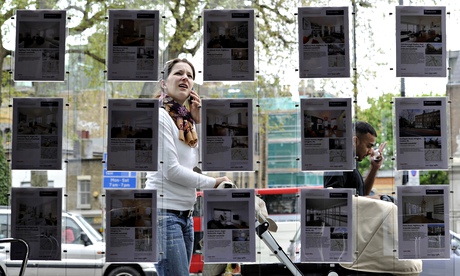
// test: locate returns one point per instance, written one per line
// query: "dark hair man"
(364, 143)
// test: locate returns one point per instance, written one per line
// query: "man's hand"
(376, 163)
(375, 166)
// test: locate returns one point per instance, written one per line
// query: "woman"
(175, 180)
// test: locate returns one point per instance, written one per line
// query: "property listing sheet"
(131, 232)
(323, 42)
(133, 135)
(37, 133)
(40, 45)
(423, 222)
(421, 41)
(326, 224)
(421, 133)
(326, 134)
(228, 45)
(229, 225)
(227, 135)
(36, 217)
(132, 52)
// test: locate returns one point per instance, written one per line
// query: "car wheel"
(124, 271)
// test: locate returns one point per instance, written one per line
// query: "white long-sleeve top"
(175, 180)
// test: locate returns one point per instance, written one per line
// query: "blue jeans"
(175, 244)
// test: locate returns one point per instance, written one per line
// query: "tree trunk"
(2, 58)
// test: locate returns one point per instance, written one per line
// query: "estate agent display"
(40, 45)
(37, 133)
(131, 225)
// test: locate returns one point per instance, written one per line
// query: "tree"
(5, 176)
(180, 35)
(379, 115)
(4, 53)
(434, 177)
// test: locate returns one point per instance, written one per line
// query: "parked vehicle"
(82, 255)
(446, 267)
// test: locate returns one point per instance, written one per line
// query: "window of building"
(28, 184)
(84, 192)
(25, 184)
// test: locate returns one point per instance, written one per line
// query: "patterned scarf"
(183, 119)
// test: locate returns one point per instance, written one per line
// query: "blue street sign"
(118, 180)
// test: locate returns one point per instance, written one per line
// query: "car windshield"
(455, 244)
(4, 226)
(89, 228)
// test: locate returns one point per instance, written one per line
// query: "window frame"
(81, 180)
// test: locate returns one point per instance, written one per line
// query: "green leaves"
(5, 175)
(380, 116)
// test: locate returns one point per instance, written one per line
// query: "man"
(364, 142)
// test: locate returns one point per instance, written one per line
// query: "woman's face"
(179, 82)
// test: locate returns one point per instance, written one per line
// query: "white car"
(445, 267)
(85, 255)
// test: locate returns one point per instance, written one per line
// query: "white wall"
(57, 176)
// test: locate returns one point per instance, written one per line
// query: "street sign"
(116, 179)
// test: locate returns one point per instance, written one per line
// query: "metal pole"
(26, 255)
